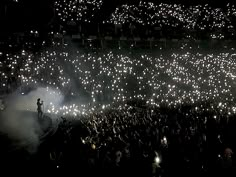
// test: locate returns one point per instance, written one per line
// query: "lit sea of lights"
(77, 10)
(199, 17)
(109, 77)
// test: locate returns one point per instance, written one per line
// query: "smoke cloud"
(19, 120)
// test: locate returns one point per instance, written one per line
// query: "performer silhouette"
(39, 109)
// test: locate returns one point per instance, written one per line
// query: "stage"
(24, 130)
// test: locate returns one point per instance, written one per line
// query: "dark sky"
(24, 14)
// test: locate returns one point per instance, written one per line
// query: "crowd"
(148, 19)
(101, 78)
(153, 113)
(174, 21)
(73, 11)
(199, 17)
(144, 20)
(164, 112)
(138, 139)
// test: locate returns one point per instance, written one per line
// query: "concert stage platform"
(23, 129)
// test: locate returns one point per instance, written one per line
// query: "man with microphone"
(39, 109)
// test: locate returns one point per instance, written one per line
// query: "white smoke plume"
(19, 120)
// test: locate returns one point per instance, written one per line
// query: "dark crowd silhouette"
(136, 139)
